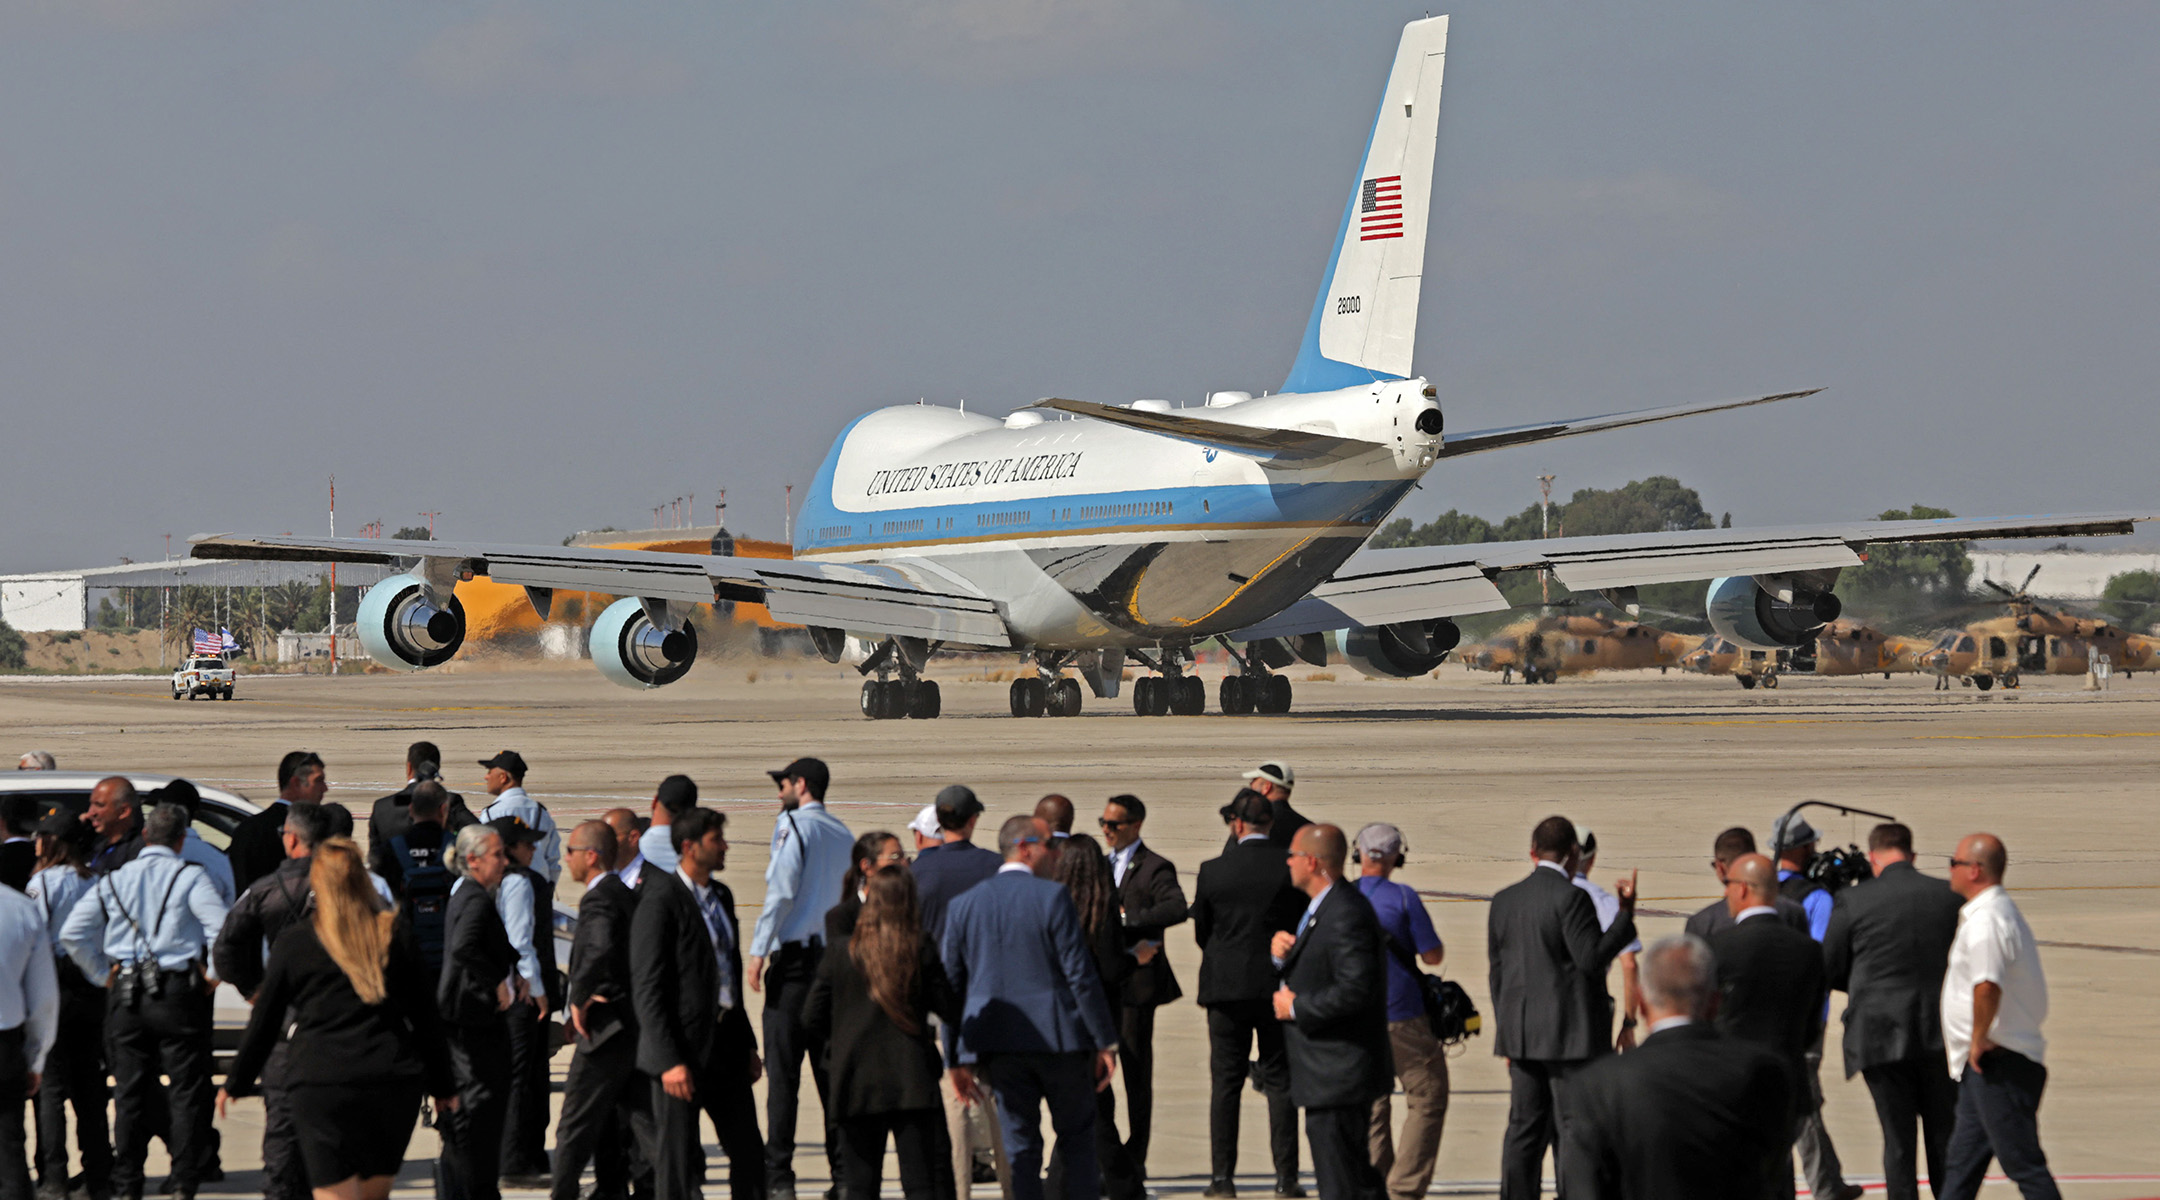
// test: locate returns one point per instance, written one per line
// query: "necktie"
(716, 925)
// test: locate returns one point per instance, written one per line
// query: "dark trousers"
(1536, 1119)
(1998, 1116)
(603, 1096)
(721, 1090)
(918, 1138)
(480, 1054)
(284, 1175)
(169, 1035)
(788, 976)
(14, 1094)
(1136, 1058)
(75, 1076)
(1913, 1096)
(1233, 1029)
(524, 1135)
(1120, 1175)
(1342, 1153)
(1065, 1083)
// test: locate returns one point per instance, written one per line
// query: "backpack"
(427, 897)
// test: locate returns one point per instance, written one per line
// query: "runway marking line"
(2025, 737)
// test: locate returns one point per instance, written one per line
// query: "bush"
(14, 652)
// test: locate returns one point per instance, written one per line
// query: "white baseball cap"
(1277, 773)
(925, 822)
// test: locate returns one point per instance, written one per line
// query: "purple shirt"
(1402, 916)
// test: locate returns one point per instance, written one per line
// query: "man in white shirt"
(677, 795)
(506, 783)
(1994, 1000)
(1608, 910)
(29, 1018)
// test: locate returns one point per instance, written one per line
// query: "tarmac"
(1657, 764)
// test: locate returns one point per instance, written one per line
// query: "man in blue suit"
(1036, 1024)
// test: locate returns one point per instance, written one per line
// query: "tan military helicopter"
(1546, 647)
(2034, 640)
(1715, 655)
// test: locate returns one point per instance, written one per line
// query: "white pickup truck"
(203, 676)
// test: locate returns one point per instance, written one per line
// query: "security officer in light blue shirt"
(811, 851)
(195, 850)
(29, 1015)
(145, 931)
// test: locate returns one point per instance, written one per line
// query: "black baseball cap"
(514, 832)
(508, 760)
(959, 800)
(1248, 806)
(179, 792)
(810, 770)
(677, 794)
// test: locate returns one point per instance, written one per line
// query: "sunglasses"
(1107, 823)
(1962, 862)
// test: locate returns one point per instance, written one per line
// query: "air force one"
(1085, 536)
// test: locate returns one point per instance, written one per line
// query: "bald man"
(629, 860)
(116, 814)
(1994, 999)
(1056, 812)
(1771, 982)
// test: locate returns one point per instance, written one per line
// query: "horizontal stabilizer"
(1522, 435)
(1285, 448)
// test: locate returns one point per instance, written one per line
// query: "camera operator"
(146, 930)
(1793, 840)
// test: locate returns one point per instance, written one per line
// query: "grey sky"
(542, 266)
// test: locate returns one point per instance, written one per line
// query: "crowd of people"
(946, 996)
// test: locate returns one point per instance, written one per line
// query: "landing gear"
(1254, 688)
(1064, 697)
(887, 699)
(1770, 681)
(1747, 682)
(2010, 680)
(1152, 695)
(1984, 682)
(1030, 696)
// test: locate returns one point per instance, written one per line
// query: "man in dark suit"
(1551, 1011)
(258, 843)
(603, 1087)
(1242, 900)
(1771, 983)
(18, 854)
(473, 994)
(694, 1040)
(1333, 1003)
(944, 871)
(392, 814)
(1034, 1022)
(1715, 918)
(1888, 942)
(1688, 1115)
(1149, 902)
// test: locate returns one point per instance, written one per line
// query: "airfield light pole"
(333, 577)
(431, 522)
(1545, 531)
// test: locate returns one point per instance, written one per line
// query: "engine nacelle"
(1743, 611)
(400, 629)
(1403, 650)
(630, 650)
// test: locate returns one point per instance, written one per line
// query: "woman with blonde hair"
(365, 1037)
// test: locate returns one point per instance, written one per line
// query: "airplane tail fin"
(1364, 321)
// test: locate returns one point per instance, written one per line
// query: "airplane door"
(2032, 654)
(1997, 648)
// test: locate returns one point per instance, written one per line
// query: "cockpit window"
(1965, 646)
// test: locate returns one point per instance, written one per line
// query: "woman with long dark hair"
(365, 1037)
(875, 991)
(874, 851)
(75, 1067)
(1085, 872)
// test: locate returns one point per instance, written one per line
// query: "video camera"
(1837, 867)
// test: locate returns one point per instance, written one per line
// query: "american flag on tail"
(205, 643)
(1380, 211)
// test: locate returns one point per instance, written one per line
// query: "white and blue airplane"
(1085, 536)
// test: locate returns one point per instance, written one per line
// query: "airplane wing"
(1376, 587)
(1285, 447)
(1517, 435)
(874, 599)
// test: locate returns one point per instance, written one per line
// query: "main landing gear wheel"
(1064, 698)
(1188, 695)
(1152, 695)
(1236, 695)
(1747, 682)
(2010, 680)
(1275, 695)
(1770, 681)
(1983, 682)
(926, 703)
(1029, 696)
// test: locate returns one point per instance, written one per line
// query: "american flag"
(205, 643)
(1380, 209)
(227, 643)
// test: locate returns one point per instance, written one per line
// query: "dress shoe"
(528, 1179)
(1288, 1189)
(1851, 1191)
(1220, 1189)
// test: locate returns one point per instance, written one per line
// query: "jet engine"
(401, 629)
(1400, 651)
(632, 651)
(1766, 618)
